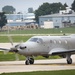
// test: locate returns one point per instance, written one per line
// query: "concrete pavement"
(39, 65)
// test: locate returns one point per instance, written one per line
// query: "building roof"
(59, 15)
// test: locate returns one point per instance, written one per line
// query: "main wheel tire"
(69, 61)
(27, 62)
(31, 61)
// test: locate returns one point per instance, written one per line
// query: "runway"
(39, 65)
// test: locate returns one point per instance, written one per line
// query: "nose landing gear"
(29, 61)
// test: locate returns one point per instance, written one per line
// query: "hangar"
(20, 19)
(65, 18)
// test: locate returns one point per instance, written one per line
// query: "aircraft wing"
(57, 51)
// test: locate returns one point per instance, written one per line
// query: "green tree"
(8, 9)
(65, 5)
(3, 19)
(42, 10)
(47, 8)
(73, 5)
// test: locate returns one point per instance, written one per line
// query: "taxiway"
(39, 65)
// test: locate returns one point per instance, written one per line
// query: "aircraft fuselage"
(47, 43)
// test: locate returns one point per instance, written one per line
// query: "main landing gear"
(29, 61)
(69, 60)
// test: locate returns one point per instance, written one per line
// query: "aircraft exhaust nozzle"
(23, 47)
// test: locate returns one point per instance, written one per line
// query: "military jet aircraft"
(45, 46)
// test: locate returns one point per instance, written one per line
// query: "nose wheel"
(29, 61)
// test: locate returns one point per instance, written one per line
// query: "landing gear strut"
(29, 61)
(69, 60)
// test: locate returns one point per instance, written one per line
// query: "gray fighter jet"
(45, 46)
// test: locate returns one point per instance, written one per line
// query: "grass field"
(18, 38)
(42, 31)
(10, 57)
(62, 72)
(34, 31)
(4, 39)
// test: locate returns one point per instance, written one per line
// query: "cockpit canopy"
(34, 39)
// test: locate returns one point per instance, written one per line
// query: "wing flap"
(57, 51)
